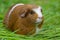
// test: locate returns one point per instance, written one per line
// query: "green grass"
(51, 26)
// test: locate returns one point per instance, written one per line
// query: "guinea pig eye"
(41, 10)
(32, 12)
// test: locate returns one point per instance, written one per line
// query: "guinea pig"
(25, 19)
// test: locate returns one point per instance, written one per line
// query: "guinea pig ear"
(25, 13)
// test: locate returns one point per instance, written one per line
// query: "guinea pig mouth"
(38, 20)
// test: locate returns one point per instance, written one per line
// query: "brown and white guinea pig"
(27, 19)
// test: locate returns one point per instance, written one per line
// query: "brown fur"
(25, 24)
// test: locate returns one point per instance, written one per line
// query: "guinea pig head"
(38, 11)
(32, 14)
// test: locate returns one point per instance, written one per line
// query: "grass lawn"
(51, 26)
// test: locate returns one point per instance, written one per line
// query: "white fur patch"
(38, 20)
(39, 13)
(13, 8)
(37, 29)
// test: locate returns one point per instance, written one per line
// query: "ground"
(50, 29)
